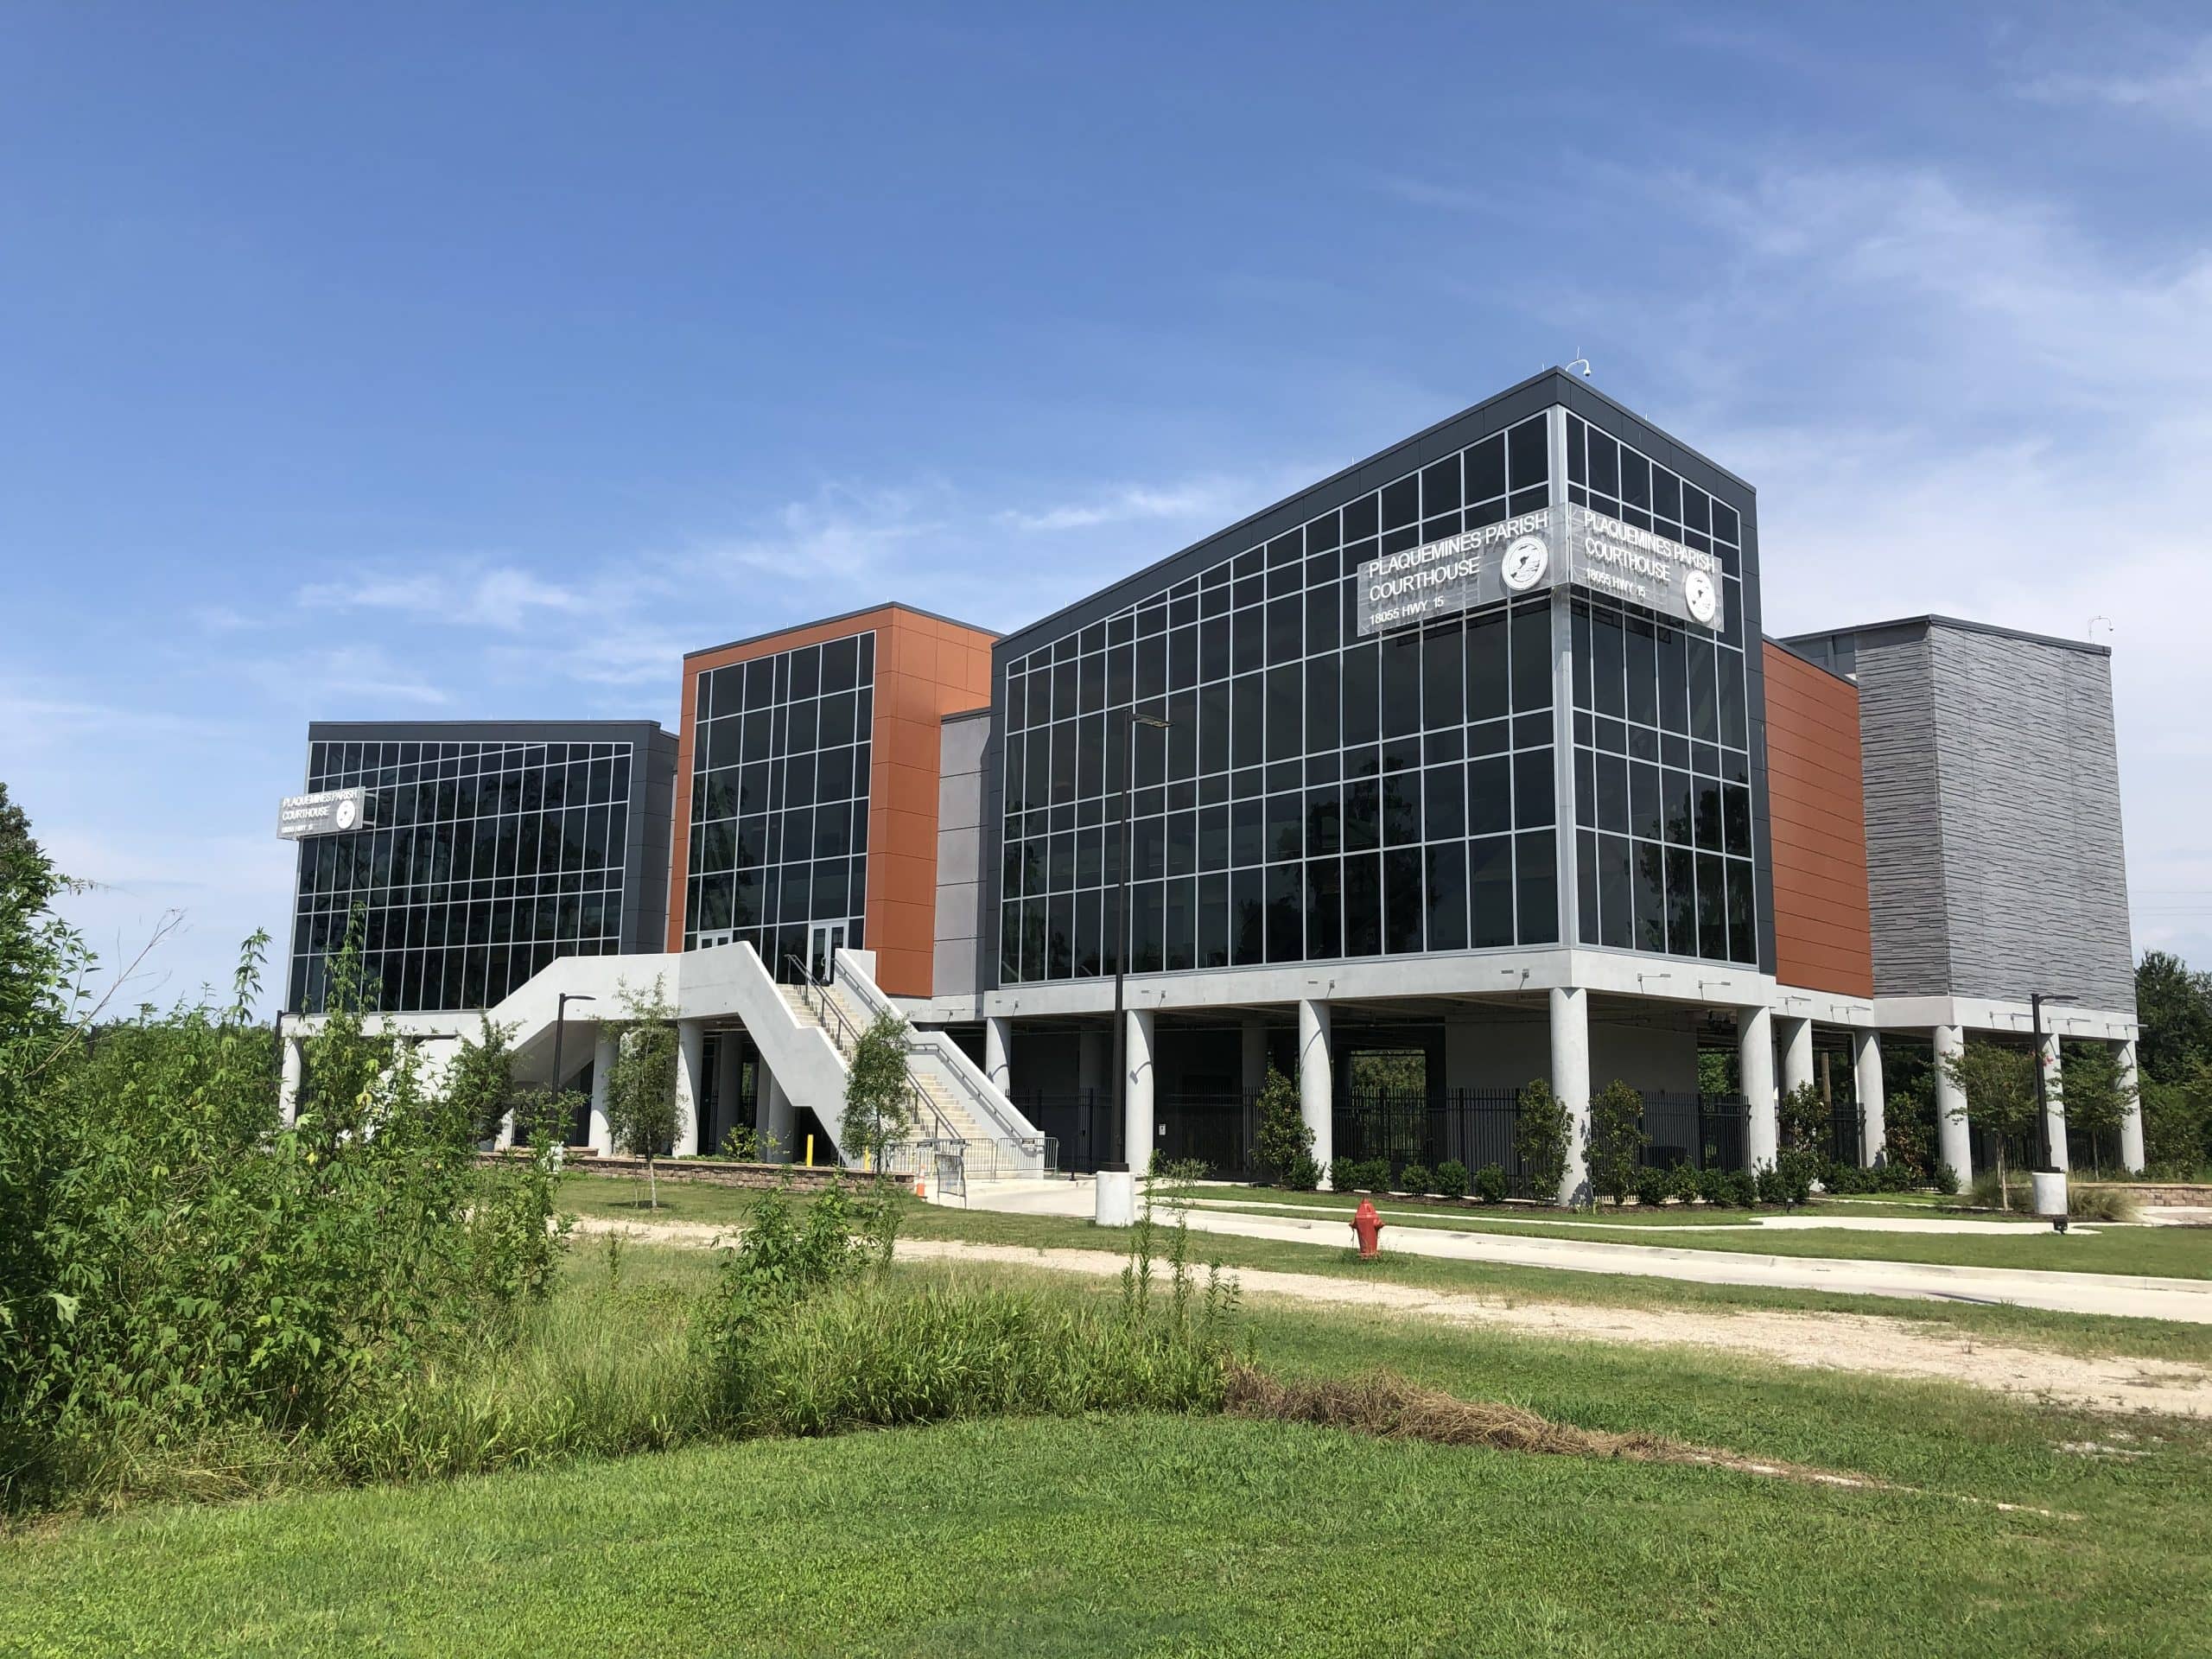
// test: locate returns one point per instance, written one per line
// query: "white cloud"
(1206, 500)
(2179, 88)
(502, 598)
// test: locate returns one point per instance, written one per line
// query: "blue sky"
(478, 361)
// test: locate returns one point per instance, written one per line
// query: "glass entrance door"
(824, 941)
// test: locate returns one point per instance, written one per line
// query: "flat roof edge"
(843, 616)
(1932, 619)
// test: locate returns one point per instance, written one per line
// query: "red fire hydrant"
(1368, 1227)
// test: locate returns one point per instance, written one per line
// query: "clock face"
(1525, 562)
(347, 814)
(1697, 589)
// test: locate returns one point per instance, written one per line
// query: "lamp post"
(560, 1027)
(2047, 1181)
(1115, 1195)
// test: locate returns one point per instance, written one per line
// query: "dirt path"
(1851, 1342)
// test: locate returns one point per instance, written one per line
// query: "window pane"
(1536, 871)
(1402, 881)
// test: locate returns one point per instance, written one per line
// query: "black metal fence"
(1477, 1126)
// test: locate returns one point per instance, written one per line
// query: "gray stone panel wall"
(1993, 848)
(960, 958)
(2035, 872)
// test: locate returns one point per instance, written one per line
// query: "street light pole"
(1109, 1208)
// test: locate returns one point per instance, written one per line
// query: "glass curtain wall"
(1664, 851)
(779, 798)
(1316, 795)
(485, 861)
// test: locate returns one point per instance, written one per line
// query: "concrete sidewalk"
(2182, 1299)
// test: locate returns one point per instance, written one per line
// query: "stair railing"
(826, 1008)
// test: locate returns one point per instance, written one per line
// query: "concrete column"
(288, 1087)
(1139, 1136)
(1570, 1021)
(1794, 1037)
(602, 1073)
(690, 1072)
(2054, 1090)
(1755, 1064)
(1874, 1115)
(998, 1049)
(2131, 1108)
(729, 1081)
(1953, 1140)
(1316, 1088)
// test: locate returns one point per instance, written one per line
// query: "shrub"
(1682, 1185)
(1452, 1179)
(1490, 1185)
(1539, 1140)
(1282, 1142)
(1416, 1180)
(1944, 1179)
(1617, 1140)
(1651, 1187)
(1726, 1189)
(1360, 1175)
(1991, 1191)
(1849, 1180)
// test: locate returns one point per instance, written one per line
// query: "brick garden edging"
(699, 1170)
(2162, 1194)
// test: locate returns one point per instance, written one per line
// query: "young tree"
(1617, 1140)
(2097, 1097)
(1283, 1140)
(641, 1084)
(1539, 1140)
(1999, 1086)
(1801, 1132)
(879, 1093)
(480, 1082)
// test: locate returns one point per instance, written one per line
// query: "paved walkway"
(2184, 1299)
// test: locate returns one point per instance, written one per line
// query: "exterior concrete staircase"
(805, 1034)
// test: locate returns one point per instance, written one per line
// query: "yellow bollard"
(809, 1151)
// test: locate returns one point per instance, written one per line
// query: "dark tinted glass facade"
(1665, 849)
(779, 798)
(1315, 795)
(484, 860)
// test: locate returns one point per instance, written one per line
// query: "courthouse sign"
(1539, 550)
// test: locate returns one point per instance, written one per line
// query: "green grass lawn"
(618, 1199)
(1196, 1535)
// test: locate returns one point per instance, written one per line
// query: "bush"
(1490, 1185)
(1452, 1179)
(1944, 1179)
(1360, 1175)
(1726, 1189)
(1416, 1180)
(203, 1281)
(1283, 1143)
(1651, 1187)
(1539, 1140)
(1682, 1185)
(1617, 1140)
(1848, 1179)
(1989, 1191)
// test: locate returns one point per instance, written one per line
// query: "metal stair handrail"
(816, 993)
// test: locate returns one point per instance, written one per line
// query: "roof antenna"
(2111, 627)
(1584, 362)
